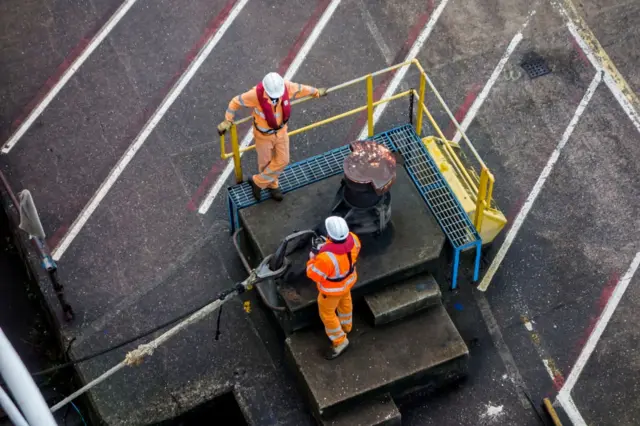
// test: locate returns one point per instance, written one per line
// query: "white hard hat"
(273, 84)
(337, 228)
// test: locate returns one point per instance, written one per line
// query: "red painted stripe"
(302, 37)
(605, 295)
(54, 239)
(414, 33)
(137, 125)
(61, 69)
(461, 113)
(577, 48)
(218, 167)
(215, 170)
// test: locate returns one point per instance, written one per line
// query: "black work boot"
(336, 351)
(276, 194)
(255, 189)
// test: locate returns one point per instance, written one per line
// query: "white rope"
(136, 356)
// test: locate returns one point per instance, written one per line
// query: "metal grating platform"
(431, 184)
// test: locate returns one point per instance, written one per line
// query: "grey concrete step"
(403, 299)
(380, 411)
(424, 350)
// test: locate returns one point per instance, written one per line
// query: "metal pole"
(10, 408)
(481, 203)
(22, 386)
(370, 104)
(237, 165)
(411, 96)
(223, 152)
(420, 104)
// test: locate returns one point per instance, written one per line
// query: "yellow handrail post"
(419, 113)
(222, 148)
(237, 165)
(481, 202)
(490, 189)
(370, 104)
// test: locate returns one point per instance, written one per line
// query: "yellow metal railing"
(480, 188)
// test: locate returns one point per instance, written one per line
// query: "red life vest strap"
(267, 108)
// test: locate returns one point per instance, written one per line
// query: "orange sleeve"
(317, 269)
(248, 99)
(297, 90)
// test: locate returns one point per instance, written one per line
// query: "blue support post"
(476, 271)
(456, 262)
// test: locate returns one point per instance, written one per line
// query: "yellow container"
(493, 220)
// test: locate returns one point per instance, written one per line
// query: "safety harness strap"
(352, 267)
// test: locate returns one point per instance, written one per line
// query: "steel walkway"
(426, 176)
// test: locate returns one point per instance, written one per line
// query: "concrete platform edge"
(40, 281)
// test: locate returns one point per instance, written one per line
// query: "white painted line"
(627, 107)
(77, 63)
(400, 73)
(293, 68)
(503, 350)
(570, 408)
(173, 94)
(522, 214)
(547, 365)
(601, 324)
(375, 33)
(475, 107)
(564, 396)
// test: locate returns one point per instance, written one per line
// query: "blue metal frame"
(453, 219)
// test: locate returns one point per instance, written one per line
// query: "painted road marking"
(400, 73)
(598, 57)
(549, 364)
(226, 17)
(564, 396)
(293, 68)
(503, 349)
(66, 76)
(497, 72)
(375, 33)
(522, 214)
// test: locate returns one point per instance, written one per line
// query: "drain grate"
(535, 66)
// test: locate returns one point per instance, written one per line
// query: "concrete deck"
(424, 351)
(412, 243)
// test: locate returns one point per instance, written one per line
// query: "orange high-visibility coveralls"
(330, 271)
(272, 146)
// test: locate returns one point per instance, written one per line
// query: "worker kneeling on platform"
(332, 266)
(271, 108)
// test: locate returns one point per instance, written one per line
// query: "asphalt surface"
(146, 254)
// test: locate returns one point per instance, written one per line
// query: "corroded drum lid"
(370, 163)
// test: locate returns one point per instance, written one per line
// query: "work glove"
(322, 92)
(224, 126)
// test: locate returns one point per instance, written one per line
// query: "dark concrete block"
(425, 350)
(411, 244)
(403, 299)
(380, 411)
